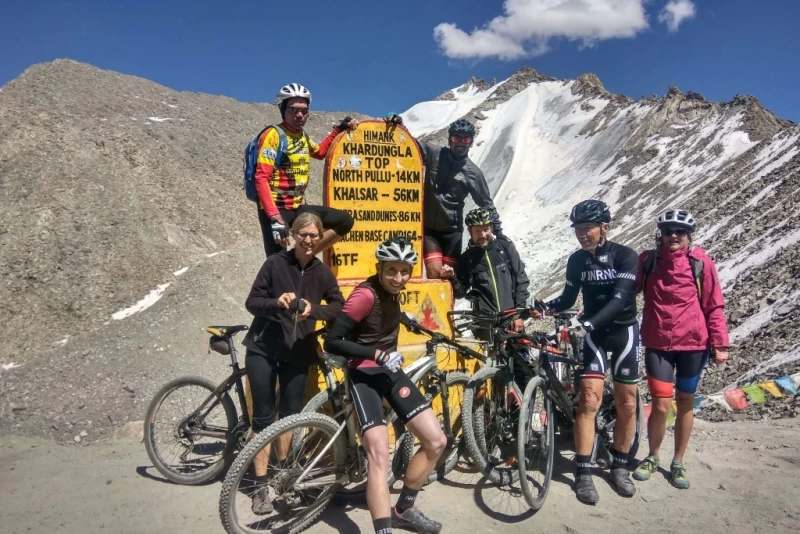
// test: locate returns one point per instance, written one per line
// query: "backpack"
(251, 160)
(697, 270)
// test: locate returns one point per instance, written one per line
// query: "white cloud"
(675, 12)
(526, 27)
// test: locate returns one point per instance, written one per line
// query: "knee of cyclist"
(436, 445)
(685, 401)
(346, 225)
(626, 404)
(378, 458)
(590, 401)
(661, 405)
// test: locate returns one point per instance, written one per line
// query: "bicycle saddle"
(225, 331)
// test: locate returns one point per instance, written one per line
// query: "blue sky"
(375, 57)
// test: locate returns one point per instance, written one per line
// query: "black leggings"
(332, 219)
(262, 374)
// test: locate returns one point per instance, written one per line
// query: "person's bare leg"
(625, 429)
(376, 444)
(657, 424)
(684, 422)
(591, 396)
(433, 269)
(427, 429)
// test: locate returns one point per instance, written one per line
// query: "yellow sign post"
(375, 174)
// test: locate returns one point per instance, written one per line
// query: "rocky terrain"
(111, 187)
(545, 144)
(115, 190)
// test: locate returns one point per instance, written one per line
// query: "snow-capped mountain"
(545, 144)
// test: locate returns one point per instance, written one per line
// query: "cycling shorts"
(371, 384)
(621, 343)
(662, 367)
(442, 246)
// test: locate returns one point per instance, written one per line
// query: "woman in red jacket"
(683, 321)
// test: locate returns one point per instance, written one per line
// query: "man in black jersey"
(606, 274)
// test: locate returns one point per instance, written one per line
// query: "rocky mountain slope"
(545, 144)
(117, 194)
(115, 190)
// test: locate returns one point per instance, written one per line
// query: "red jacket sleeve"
(713, 305)
(267, 152)
(321, 150)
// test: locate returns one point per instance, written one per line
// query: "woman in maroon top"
(683, 321)
(366, 332)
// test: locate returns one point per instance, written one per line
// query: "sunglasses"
(302, 236)
(294, 110)
(456, 139)
(674, 231)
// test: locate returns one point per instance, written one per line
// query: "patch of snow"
(159, 119)
(747, 258)
(214, 254)
(169, 105)
(63, 341)
(8, 366)
(427, 117)
(781, 358)
(134, 119)
(767, 191)
(143, 304)
(180, 271)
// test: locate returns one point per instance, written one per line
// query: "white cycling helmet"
(293, 90)
(679, 218)
(397, 249)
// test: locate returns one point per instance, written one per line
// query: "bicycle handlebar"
(412, 325)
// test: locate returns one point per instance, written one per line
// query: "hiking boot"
(585, 490)
(262, 504)
(677, 476)
(621, 482)
(647, 467)
(414, 519)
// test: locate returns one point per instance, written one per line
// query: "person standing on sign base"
(450, 176)
(281, 188)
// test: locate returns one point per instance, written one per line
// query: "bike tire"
(242, 463)
(453, 450)
(475, 428)
(154, 451)
(535, 497)
(640, 426)
(323, 404)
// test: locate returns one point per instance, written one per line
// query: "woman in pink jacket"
(684, 321)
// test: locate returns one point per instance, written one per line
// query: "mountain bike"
(548, 402)
(444, 390)
(325, 454)
(192, 428)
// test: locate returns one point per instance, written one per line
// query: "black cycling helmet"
(590, 211)
(478, 217)
(461, 127)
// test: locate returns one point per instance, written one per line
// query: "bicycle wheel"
(536, 442)
(295, 505)
(172, 431)
(491, 433)
(456, 385)
(322, 403)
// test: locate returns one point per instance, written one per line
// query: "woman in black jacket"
(285, 300)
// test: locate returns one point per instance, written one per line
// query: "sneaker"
(621, 482)
(414, 519)
(585, 490)
(677, 476)
(262, 504)
(647, 467)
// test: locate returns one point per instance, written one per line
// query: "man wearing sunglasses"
(281, 188)
(605, 273)
(450, 176)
